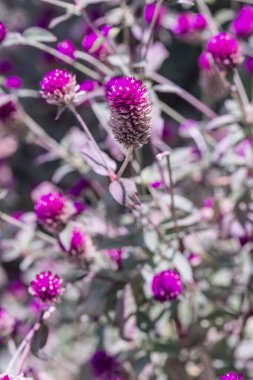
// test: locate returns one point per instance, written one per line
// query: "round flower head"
(94, 43)
(189, 23)
(67, 48)
(59, 87)
(53, 210)
(243, 23)
(199, 22)
(104, 365)
(205, 61)
(149, 13)
(3, 31)
(88, 85)
(13, 82)
(130, 111)
(46, 286)
(167, 285)
(225, 50)
(7, 323)
(76, 243)
(232, 376)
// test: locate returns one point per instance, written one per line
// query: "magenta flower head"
(167, 285)
(59, 87)
(53, 210)
(104, 366)
(95, 43)
(243, 23)
(188, 24)
(47, 287)
(225, 50)
(149, 13)
(130, 111)
(3, 32)
(7, 324)
(232, 376)
(116, 255)
(205, 61)
(76, 243)
(88, 85)
(67, 48)
(13, 82)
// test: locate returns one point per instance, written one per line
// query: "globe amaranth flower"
(232, 376)
(130, 111)
(167, 285)
(3, 32)
(225, 50)
(88, 85)
(59, 87)
(13, 82)
(67, 48)
(189, 24)
(7, 323)
(149, 13)
(47, 287)
(242, 26)
(76, 243)
(53, 210)
(95, 43)
(104, 365)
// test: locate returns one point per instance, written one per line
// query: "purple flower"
(130, 111)
(76, 243)
(205, 61)
(53, 210)
(94, 43)
(116, 255)
(225, 50)
(67, 48)
(88, 85)
(150, 11)
(232, 376)
(189, 23)
(243, 23)
(59, 87)
(103, 365)
(167, 285)
(13, 82)
(8, 111)
(3, 31)
(46, 287)
(7, 323)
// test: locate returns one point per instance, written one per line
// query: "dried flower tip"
(53, 210)
(59, 87)
(225, 50)
(243, 23)
(232, 376)
(130, 111)
(3, 32)
(167, 286)
(67, 48)
(46, 286)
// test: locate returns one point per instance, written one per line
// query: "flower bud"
(243, 23)
(67, 48)
(167, 285)
(46, 286)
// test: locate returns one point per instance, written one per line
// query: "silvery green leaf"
(39, 34)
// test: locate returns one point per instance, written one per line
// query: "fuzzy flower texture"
(130, 111)
(225, 50)
(59, 87)
(167, 285)
(46, 286)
